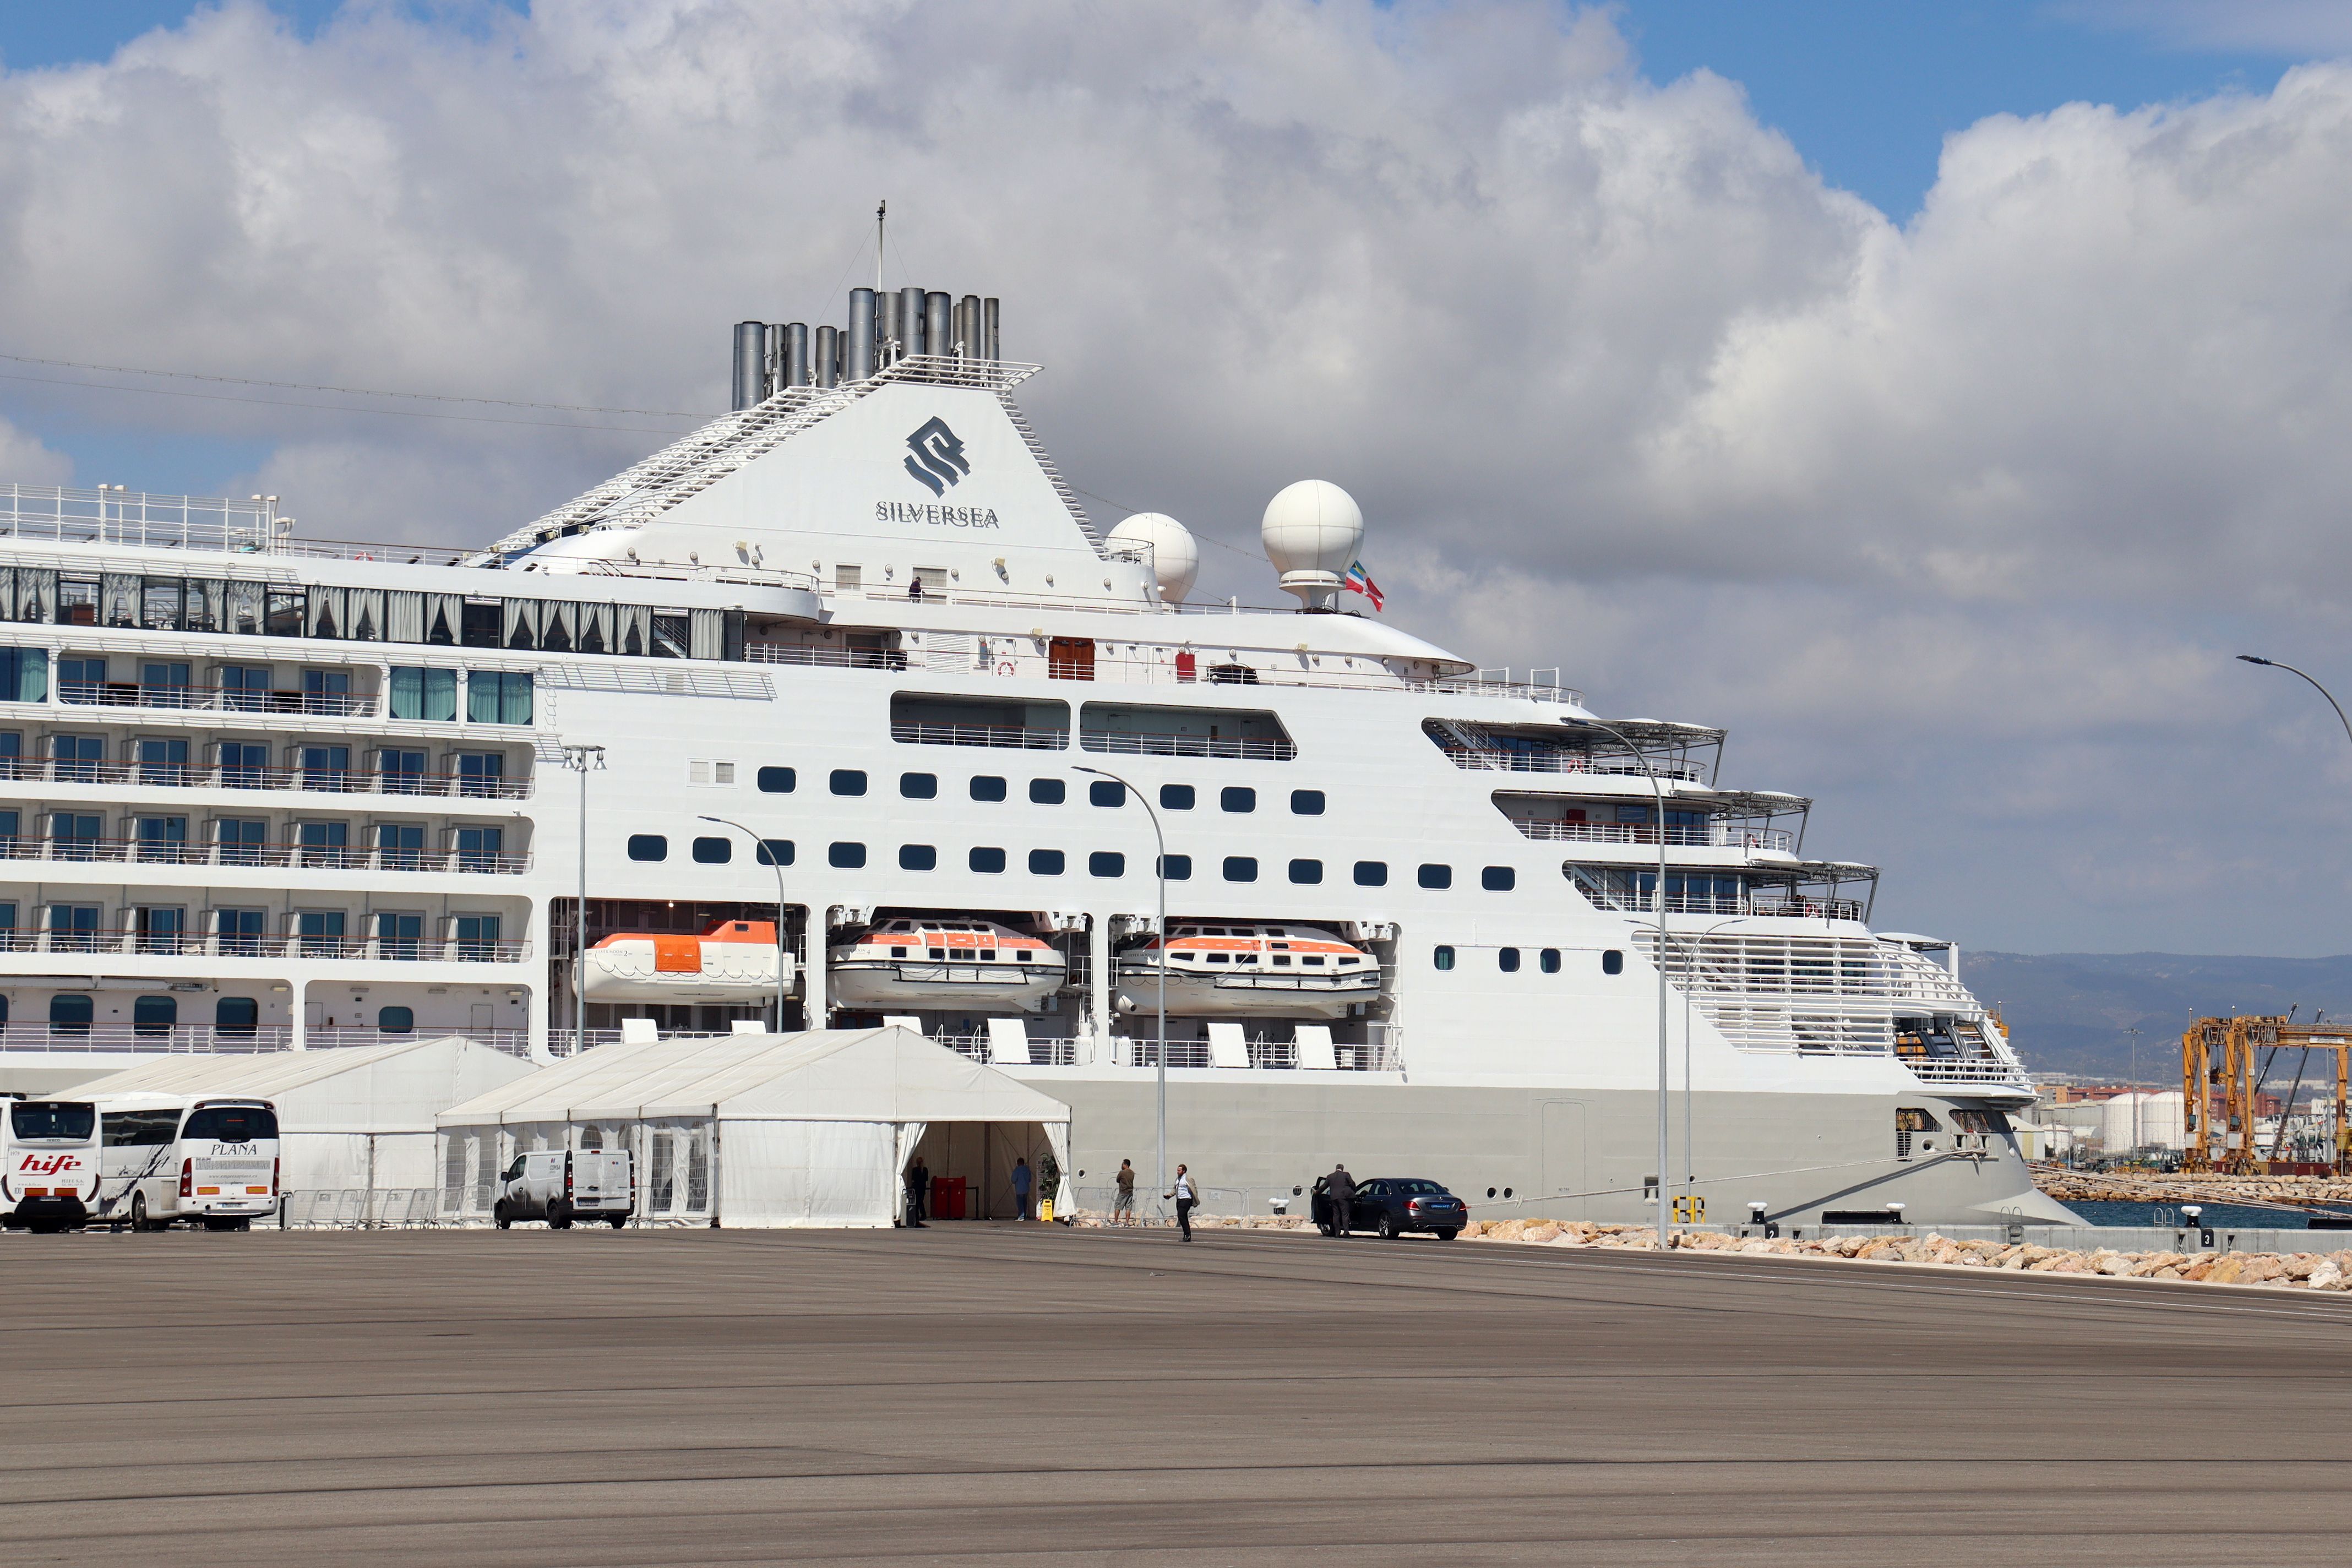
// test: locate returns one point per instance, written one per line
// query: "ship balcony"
(1710, 835)
(216, 699)
(132, 942)
(289, 856)
(255, 776)
(210, 1039)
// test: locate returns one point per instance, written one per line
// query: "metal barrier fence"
(361, 1208)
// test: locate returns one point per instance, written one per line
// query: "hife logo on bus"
(49, 1165)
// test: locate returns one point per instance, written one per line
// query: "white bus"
(49, 1163)
(168, 1158)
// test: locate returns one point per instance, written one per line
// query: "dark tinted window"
(52, 1119)
(987, 861)
(848, 780)
(1048, 792)
(231, 1123)
(775, 852)
(1106, 863)
(713, 851)
(1175, 797)
(396, 1020)
(1613, 962)
(1497, 879)
(1507, 960)
(1371, 873)
(987, 786)
(918, 858)
(1307, 802)
(1307, 872)
(846, 856)
(649, 846)
(138, 1128)
(777, 780)
(1442, 958)
(1549, 961)
(918, 786)
(1044, 862)
(1107, 791)
(1180, 868)
(1437, 876)
(1237, 797)
(1241, 868)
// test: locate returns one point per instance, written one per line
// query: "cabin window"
(649, 846)
(1371, 873)
(396, 1020)
(777, 780)
(1497, 879)
(237, 1014)
(775, 852)
(986, 859)
(1241, 868)
(918, 858)
(23, 674)
(1046, 862)
(918, 786)
(498, 697)
(1177, 868)
(1237, 797)
(1506, 959)
(1549, 961)
(845, 857)
(987, 786)
(430, 694)
(1437, 876)
(713, 851)
(1106, 863)
(1106, 792)
(1175, 797)
(847, 781)
(1613, 962)
(1047, 792)
(1442, 958)
(1307, 803)
(1306, 873)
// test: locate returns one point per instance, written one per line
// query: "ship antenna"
(881, 213)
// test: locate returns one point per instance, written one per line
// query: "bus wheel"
(138, 1220)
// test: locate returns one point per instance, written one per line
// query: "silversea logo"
(937, 516)
(938, 460)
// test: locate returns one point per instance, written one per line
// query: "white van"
(560, 1185)
(49, 1163)
(167, 1158)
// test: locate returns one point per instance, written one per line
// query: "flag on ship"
(1360, 581)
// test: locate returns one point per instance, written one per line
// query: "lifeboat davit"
(1249, 971)
(937, 963)
(732, 961)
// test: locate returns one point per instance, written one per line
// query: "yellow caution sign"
(1046, 1211)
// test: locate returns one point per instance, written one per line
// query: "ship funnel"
(828, 356)
(794, 355)
(911, 322)
(750, 363)
(857, 360)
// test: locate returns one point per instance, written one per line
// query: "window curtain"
(117, 597)
(244, 609)
(443, 614)
(498, 697)
(595, 625)
(7, 593)
(364, 615)
(404, 617)
(518, 622)
(556, 619)
(326, 618)
(635, 622)
(36, 592)
(706, 637)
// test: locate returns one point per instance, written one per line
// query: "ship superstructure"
(845, 650)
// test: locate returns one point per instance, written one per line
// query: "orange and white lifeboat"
(732, 961)
(1248, 970)
(913, 963)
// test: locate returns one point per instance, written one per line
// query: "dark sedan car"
(1392, 1206)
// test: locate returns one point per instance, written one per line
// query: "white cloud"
(1955, 522)
(25, 461)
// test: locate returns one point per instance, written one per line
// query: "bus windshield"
(61, 1118)
(232, 1124)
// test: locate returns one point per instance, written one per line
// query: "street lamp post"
(1159, 1056)
(583, 760)
(1658, 789)
(2273, 664)
(759, 849)
(1694, 946)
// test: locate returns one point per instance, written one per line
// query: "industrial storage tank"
(2158, 1121)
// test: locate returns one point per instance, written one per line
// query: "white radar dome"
(1175, 553)
(1313, 532)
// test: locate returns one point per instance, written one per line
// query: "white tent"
(349, 1120)
(747, 1130)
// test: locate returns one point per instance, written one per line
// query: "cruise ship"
(849, 672)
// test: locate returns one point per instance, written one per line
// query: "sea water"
(2234, 1216)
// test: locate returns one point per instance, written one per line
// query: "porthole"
(1498, 879)
(1306, 873)
(1241, 868)
(1371, 873)
(1047, 792)
(777, 780)
(1549, 961)
(1507, 1192)
(775, 852)
(1176, 797)
(649, 846)
(1436, 876)
(920, 786)
(848, 780)
(1490, 1192)
(1442, 958)
(1180, 868)
(1106, 792)
(713, 851)
(1613, 962)
(846, 856)
(1106, 863)
(918, 858)
(1046, 862)
(1506, 959)
(1237, 797)
(986, 859)
(1307, 803)
(987, 786)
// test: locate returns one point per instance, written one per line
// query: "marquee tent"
(756, 1131)
(349, 1121)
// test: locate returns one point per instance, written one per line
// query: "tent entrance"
(980, 1157)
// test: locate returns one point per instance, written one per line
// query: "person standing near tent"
(1184, 1192)
(919, 1193)
(1021, 1183)
(1123, 1201)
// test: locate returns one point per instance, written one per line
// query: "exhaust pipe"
(858, 362)
(911, 322)
(750, 363)
(828, 356)
(938, 323)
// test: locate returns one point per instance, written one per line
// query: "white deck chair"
(1226, 1046)
(1315, 1047)
(1008, 1041)
(634, 1030)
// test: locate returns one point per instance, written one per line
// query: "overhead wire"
(348, 391)
(343, 408)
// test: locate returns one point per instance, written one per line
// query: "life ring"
(1006, 667)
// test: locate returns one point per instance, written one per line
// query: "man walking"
(1123, 1201)
(1021, 1182)
(1183, 1193)
(1343, 1199)
(919, 1191)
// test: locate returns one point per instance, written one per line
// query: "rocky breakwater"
(2151, 1187)
(2298, 1272)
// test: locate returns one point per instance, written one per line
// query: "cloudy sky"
(1937, 396)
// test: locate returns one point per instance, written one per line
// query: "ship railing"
(213, 698)
(1630, 901)
(742, 575)
(1714, 836)
(1121, 742)
(1278, 1056)
(229, 775)
(1498, 760)
(1046, 1051)
(302, 856)
(1015, 737)
(74, 515)
(513, 1042)
(31, 1035)
(1968, 1070)
(269, 944)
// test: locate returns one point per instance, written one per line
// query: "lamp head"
(2253, 658)
(709, 819)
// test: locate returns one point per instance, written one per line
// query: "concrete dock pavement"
(1003, 1393)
